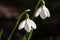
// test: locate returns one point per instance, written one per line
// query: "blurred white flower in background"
(27, 24)
(43, 12)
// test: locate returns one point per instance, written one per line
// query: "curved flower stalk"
(43, 12)
(19, 17)
(27, 24)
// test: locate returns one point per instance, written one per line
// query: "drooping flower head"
(27, 24)
(42, 11)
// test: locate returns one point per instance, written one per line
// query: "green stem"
(30, 34)
(1, 32)
(19, 17)
(37, 5)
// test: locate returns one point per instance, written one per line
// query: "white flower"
(27, 24)
(43, 12)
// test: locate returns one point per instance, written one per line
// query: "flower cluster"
(28, 24)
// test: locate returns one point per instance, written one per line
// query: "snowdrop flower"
(27, 24)
(43, 12)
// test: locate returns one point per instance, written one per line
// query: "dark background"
(48, 29)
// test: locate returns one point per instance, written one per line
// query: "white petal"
(27, 26)
(43, 13)
(32, 24)
(21, 25)
(38, 12)
(48, 13)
